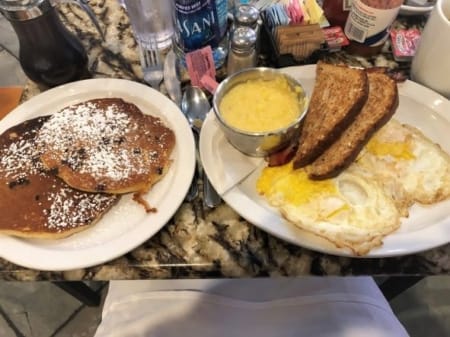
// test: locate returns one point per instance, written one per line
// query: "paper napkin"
(225, 166)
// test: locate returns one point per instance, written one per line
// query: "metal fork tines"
(152, 66)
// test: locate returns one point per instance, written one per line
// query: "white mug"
(431, 63)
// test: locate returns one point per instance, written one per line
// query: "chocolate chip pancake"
(106, 145)
(34, 203)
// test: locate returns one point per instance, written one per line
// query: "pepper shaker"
(248, 16)
(242, 50)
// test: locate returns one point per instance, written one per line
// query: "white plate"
(126, 225)
(425, 228)
(414, 10)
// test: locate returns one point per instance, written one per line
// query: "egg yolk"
(398, 150)
(294, 185)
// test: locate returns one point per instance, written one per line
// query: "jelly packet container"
(404, 43)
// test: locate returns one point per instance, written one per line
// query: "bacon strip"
(283, 156)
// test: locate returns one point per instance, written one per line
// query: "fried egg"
(398, 167)
(348, 210)
(408, 165)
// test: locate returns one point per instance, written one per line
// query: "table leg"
(81, 292)
(395, 285)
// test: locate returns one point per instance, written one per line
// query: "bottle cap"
(243, 39)
(21, 10)
(246, 15)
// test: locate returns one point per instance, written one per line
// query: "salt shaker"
(242, 50)
(248, 16)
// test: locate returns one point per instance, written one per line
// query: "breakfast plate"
(425, 228)
(126, 225)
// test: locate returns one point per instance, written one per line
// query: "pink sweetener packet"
(209, 83)
(404, 43)
(199, 63)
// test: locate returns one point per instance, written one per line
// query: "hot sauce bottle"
(368, 24)
(336, 11)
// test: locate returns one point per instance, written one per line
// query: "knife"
(171, 80)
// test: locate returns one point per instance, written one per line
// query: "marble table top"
(205, 243)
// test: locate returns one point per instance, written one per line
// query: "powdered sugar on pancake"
(21, 153)
(70, 210)
(102, 128)
(35, 203)
(106, 145)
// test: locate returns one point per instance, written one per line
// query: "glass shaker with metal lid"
(248, 16)
(49, 53)
(243, 50)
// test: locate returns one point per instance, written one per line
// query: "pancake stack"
(60, 174)
(35, 203)
(106, 145)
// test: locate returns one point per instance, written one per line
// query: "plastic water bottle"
(199, 23)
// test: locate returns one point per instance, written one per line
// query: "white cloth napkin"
(320, 307)
(225, 166)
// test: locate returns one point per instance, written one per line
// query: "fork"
(152, 66)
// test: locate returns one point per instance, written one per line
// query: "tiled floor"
(10, 71)
(35, 309)
(40, 309)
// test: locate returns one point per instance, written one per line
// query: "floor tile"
(424, 309)
(10, 70)
(8, 37)
(5, 330)
(40, 305)
(21, 323)
(84, 323)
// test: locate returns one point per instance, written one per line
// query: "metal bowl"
(257, 144)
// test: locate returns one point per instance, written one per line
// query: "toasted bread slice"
(339, 94)
(379, 108)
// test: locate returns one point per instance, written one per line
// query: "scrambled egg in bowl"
(261, 105)
(259, 110)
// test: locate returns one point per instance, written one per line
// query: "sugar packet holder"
(294, 30)
(299, 40)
